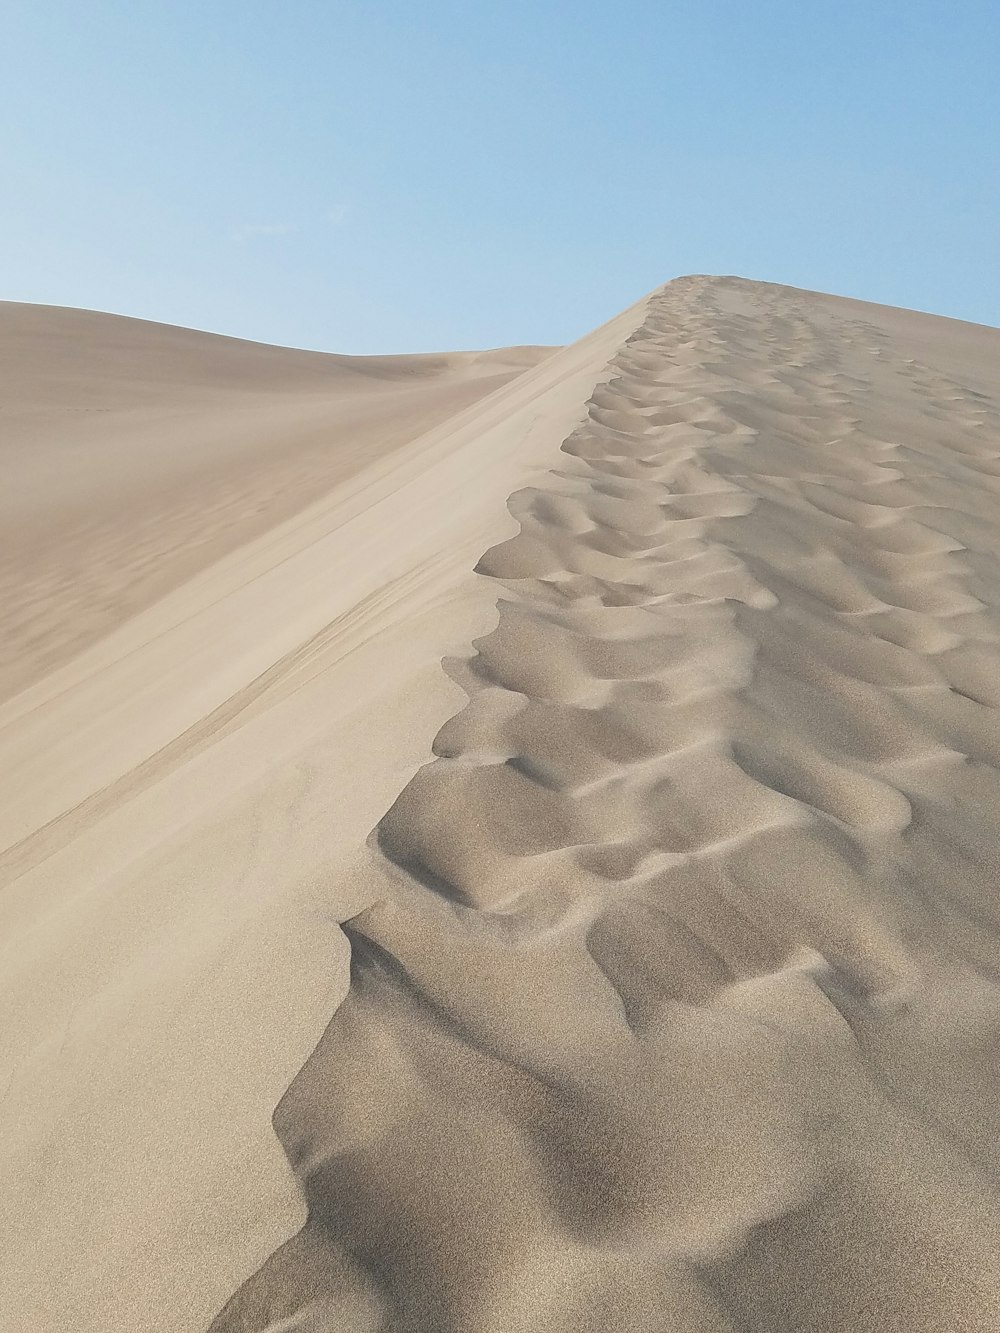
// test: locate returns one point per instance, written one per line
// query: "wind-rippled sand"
(674, 994)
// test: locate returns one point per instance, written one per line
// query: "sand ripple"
(685, 1011)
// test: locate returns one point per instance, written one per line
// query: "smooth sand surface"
(652, 922)
(134, 454)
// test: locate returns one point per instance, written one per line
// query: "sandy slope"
(674, 998)
(683, 1011)
(176, 797)
(148, 451)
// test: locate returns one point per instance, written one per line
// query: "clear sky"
(389, 176)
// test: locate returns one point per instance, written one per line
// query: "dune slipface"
(600, 745)
(223, 603)
(135, 454)
(678, 1005)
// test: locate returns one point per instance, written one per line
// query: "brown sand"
(674, 978)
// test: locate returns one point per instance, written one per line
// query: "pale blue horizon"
(405, 179)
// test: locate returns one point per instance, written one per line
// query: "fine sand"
(623, 958)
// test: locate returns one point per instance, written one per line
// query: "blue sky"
(392, 176)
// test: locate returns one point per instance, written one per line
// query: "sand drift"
(613, 767)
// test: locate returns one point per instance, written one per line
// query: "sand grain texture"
(234, 672)
(683, 1013)
(655, 932)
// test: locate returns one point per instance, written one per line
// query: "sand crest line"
(595, 1081)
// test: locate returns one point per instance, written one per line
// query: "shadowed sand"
(222, 600)
(673, 976)
(683, 1010)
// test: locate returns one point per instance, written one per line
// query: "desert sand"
(560, 788)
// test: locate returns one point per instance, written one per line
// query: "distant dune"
(135, 454)
(563, 784)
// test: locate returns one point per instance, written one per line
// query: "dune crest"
(189, 776)
(137, 454)
(681, 1006)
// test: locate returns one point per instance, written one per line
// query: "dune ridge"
(137, 454)
(681, 1007)
(184, 800)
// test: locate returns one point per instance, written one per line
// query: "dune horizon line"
(561, 786)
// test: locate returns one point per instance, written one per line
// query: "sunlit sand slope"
(229, 575)
(135, 454)
(676, 1005)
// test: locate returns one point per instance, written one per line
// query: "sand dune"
(152, 451)
(178, 795)
(671, 900)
